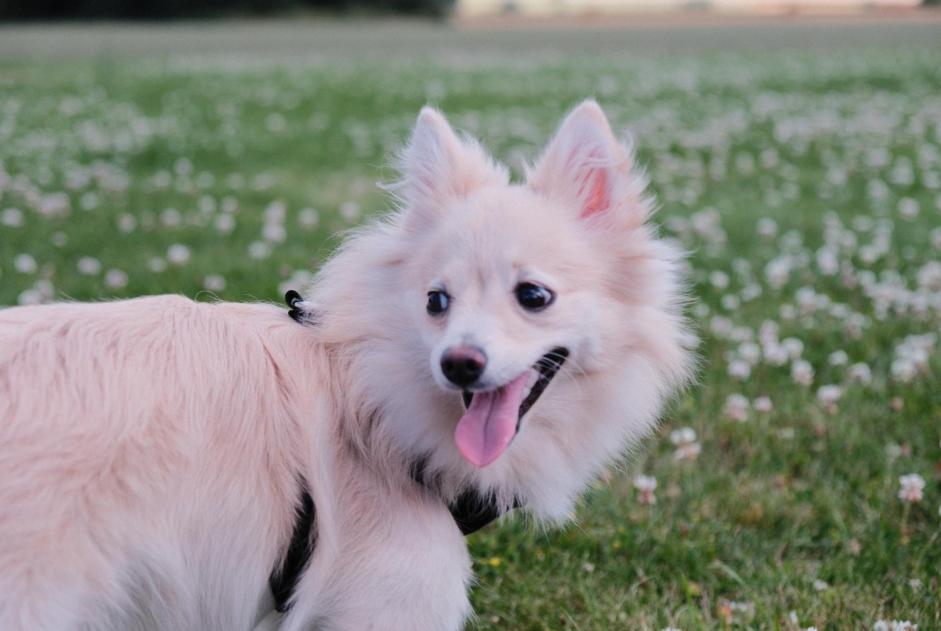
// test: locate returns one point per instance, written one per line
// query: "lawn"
(800, 165)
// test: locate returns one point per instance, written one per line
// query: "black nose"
(463, 365)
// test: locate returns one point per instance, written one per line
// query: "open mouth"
(493, 417)
(547, 366)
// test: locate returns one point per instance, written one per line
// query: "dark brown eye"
(437, 302)
(533, 297)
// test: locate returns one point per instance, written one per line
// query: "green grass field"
(799, 165)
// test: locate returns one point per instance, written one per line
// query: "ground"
(798, 163)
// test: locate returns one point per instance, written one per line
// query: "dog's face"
(523, 294)
(502, 308)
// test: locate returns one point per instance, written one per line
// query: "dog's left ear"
(438, 167)
(586, 169)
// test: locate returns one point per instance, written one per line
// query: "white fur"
(150, 450)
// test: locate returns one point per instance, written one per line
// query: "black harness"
(471, 510)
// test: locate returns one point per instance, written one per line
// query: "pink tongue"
(489, 424)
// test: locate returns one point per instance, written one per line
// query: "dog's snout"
(463, 365)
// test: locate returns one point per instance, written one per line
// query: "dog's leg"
(384, 562)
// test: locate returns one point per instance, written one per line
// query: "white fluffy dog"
(155, 454)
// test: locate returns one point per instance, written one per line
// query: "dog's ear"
(585, 168)
(438, 167)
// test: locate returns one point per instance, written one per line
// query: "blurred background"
(217, 148)
(174, 9)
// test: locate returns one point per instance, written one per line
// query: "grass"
(112, 159)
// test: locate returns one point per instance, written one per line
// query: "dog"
(168, 464)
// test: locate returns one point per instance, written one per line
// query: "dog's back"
(117, 422)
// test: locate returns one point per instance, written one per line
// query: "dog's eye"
(437, 302)
(533, 297)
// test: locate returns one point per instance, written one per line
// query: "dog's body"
(151, 482)
(153, 452)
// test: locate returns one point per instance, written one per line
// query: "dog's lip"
(547, 367)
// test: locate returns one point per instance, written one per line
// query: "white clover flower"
(935, 236)
(259, 250)
(115, 279)
(793, 346)
(214, 282)
(719, 279)
(308, 218)
(828, 261)
(855, 325)
(274, 232)
(820, 585)
(739, 369)
(350, 211)
(178, 254)
(736, 407)
(30, 297)
(683, 436)
(767, 228)
(156, 264)
(751, 291)
(183, 166)
(24, 263)
(908, 208)
(802, 372)
(778, 272)
(731, 302)
(720, 326)
(838, 358)
(903, 370)
(750, 352)
(12, 217)
(224, 223)
(775, 354)
(829, 394)
(54, 205)
(860, 373)
(230, 204)
(687, 452)
(89, 266)
(646, 485)
(207, 204)
(686, 446)
(171, 217)
(929, 276)
(127, 223)
(276, 211)
(894, 625)
(911, 488)
(762, 404)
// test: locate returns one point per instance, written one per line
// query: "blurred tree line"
(168, 9)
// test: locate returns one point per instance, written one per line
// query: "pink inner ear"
(595, 190)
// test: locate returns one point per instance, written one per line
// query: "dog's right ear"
(438, 167)
(588, 170)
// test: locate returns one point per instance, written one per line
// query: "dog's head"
(541, 319)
